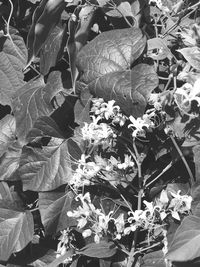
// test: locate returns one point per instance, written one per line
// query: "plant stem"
(183, 159)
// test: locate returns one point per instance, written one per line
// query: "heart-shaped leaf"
(44, 169)
(16, 231)
(105, 64)
(33, 101)
(53, 209)
(186, 243)
(13, 59)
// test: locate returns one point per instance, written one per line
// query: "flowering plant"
(99, 137)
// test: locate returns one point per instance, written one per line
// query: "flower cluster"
(97, 134)
(141, 124)
(95, 220)
(189, 92)
(108, 111)
(88, 170)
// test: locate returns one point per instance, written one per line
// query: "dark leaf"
(99, 250)
(44, 126)
(17, 229)
(78, 36)
(53, 209)
(186, 243)
(51, 52)
(82, 108)
(31, 35)
(13, 59)
(104, 263)
(50, 167)
(44, 25)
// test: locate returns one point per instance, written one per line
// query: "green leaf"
(7, 133)
(13, 59)
(99, 250)
(51, 52)
(16, 231)
(44, 126)
(153, 259)
(33, 101)
(186, 243)
(53, 209)
(192, 55)
(46, 168)
(105, 64)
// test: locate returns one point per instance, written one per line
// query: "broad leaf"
(16, 231)
(192, 55)
(105, 64)
(186, 243)
(99, 250)
(53, 48)
(7, 133)
(46, 168)
(110, 51)
(130, 89)
(53, 209)
(44, 126)
(33, 101)
(13, 59)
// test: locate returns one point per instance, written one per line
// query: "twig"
(160, 174)
(183, 158)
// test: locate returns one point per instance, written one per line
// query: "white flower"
(97, 133)
(138, 125)
(127, 163)
(180, 204)
(108, 111)
(189, 92)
